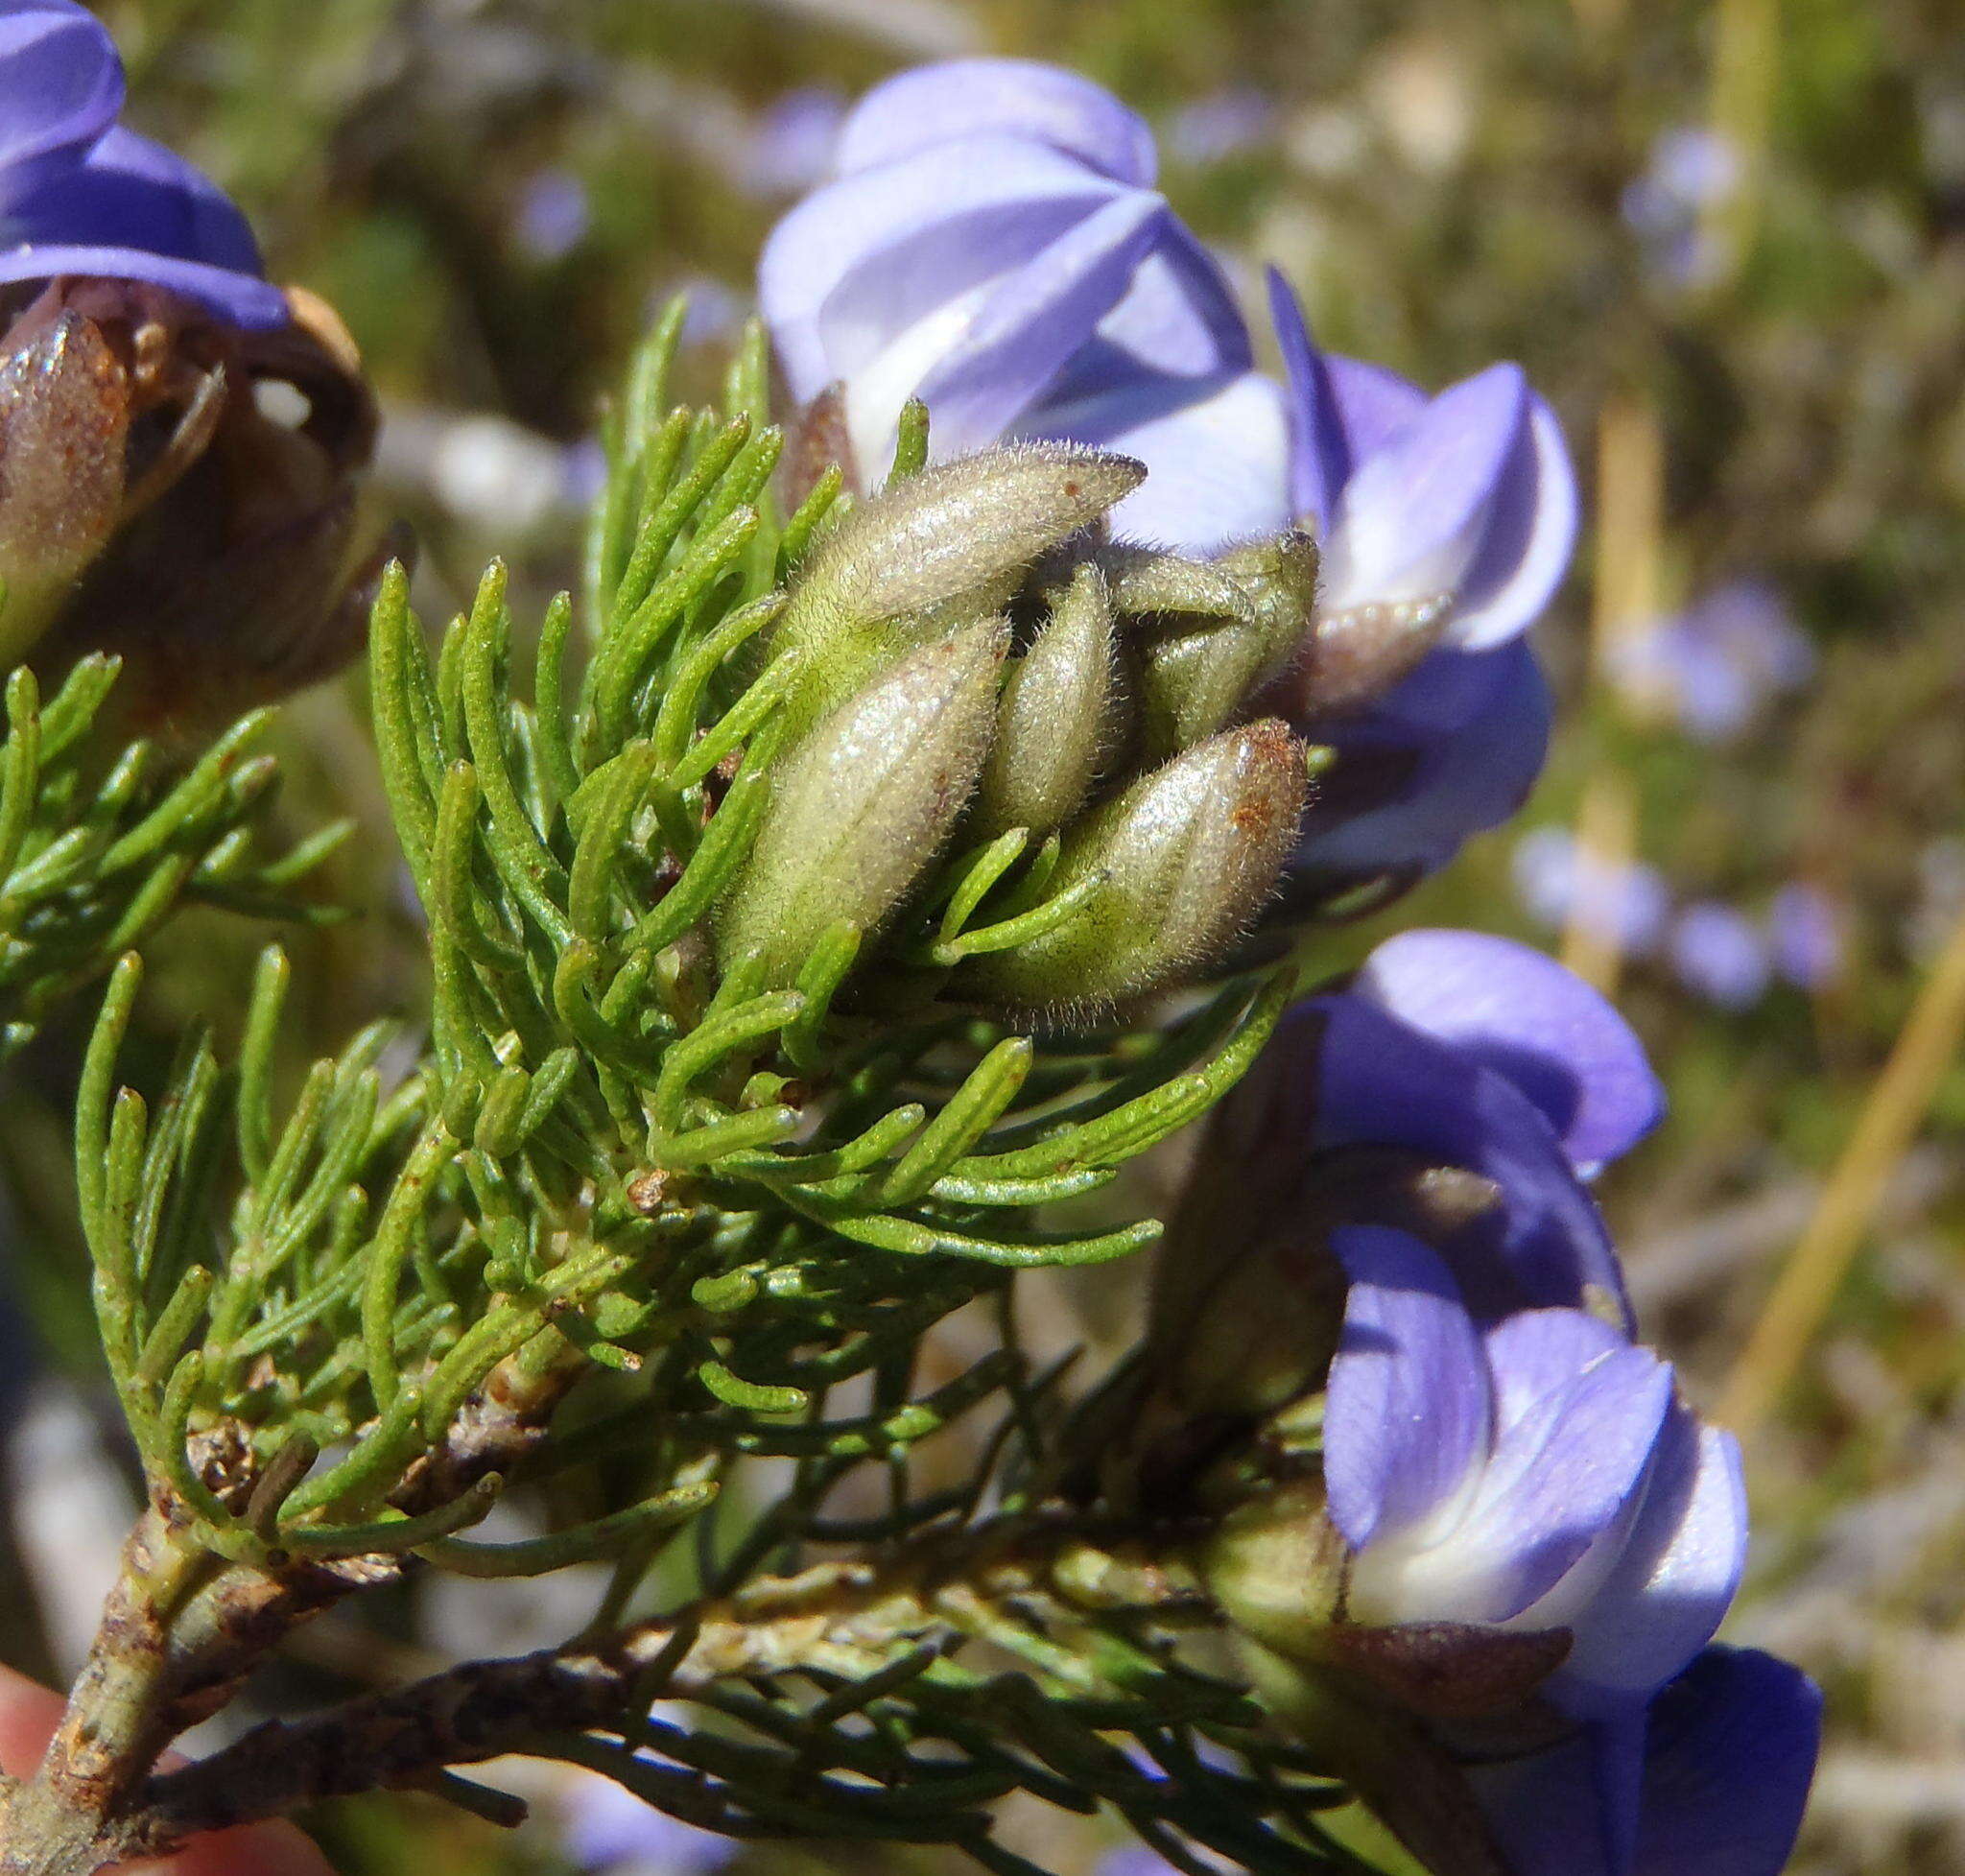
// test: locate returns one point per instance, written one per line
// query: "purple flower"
(1560, 881)
(80, 195)
(715, 312)
(1460, 509)
(995, 246)
(1717, 664)
(1523, 1015)
(1465, 1051)
(1720, 954)
(1711, 1779)
(1805, 933)
(554, 215)
(1450, 752)
(1222, 125)
(1690, 172)
(1465, 498)
(1534, 1473)
(792, 144)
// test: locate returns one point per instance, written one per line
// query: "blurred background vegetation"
(1725, 237)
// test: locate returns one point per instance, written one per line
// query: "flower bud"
(955, 538)
(1276, 1565)
(1280, 577)
(1173, 867)
(65, 415)
(150, 507)
(1054, 724)
(1145, 581)
(1364, 651)
(1200, 665)
(861, 806)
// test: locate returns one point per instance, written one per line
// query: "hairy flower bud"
(1053, 726)
(1364, 651)
(65, 415)
(1172, 867)
(860, 807)
(150, 507)
(1200, 664)
(1276, 1567)
(955, 538)
(1144, 581)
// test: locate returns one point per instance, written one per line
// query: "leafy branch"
(100, 845)
(709, 1131)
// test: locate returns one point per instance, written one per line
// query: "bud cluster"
(717, 1115)
(971, 666)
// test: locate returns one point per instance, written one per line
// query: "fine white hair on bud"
(861, 806)
(953, 538)
(1144, 581)
(1174, 868)
(1052, 728)
(1199, 665)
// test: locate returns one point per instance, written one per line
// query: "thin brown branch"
(847, 1617)
(183, 1628)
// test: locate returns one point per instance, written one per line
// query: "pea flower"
(1561, 882)
(1719, 953)
(791, 141)
(1690, 172)
(995, 246)
(1465, 499)
(1710, 1780)
(1715, 666)
(1536, 1473)
(553, 216)
(1539, 1477)
(1462, 1050)
(1805, 932)
(1446, 522)
(1450, 752)
(80, 194)
(153, 504)
(1493, 1605)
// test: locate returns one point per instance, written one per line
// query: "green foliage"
(100, 841)
(671, 1191)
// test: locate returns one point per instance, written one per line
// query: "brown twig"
(182, 1628)
(846, 1618)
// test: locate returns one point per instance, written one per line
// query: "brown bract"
(183, 494)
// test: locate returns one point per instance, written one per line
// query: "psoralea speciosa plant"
(894, 841)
